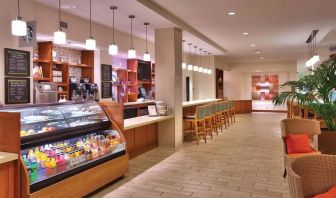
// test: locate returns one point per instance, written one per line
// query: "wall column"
(168, 85)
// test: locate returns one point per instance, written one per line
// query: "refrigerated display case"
(64, 143)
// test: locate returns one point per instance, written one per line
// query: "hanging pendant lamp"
(209, 70)
(19, 27)
(195, 68)
(190, 66)
(205, 70)
(146, 56)
(59, 35)
(131, 52)
(113, 48)
(200, 69)
(184, 64)
(90, 42)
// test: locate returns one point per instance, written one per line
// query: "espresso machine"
(83, 90)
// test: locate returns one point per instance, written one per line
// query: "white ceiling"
(102, 14)
(279, 28)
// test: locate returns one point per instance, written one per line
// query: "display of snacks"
(51, 159)
(41, 119)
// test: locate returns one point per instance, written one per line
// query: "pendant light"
(190, 66)
(131, 52)
(90, 42)
(59, 35)
(209, 70)
(200, 69)
(113, 48)
(201, 57)
(195, 68)
(146, 56)
(205, 70)
(184, 65)
(19, 27)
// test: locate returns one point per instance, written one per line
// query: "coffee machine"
(83, 90)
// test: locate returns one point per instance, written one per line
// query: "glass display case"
(64, 139)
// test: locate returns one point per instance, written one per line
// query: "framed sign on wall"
(17, 62)
(17, 90)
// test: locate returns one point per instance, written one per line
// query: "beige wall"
(238, 80)
(47, 20)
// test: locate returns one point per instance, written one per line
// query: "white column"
(168, 73)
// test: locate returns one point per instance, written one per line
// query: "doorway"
(187, 88)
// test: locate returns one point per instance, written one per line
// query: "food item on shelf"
(23, 133)
(45, 129)
(35, 118)
(31, 132)
(51, 129)
(70, 152)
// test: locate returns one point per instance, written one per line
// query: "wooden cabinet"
(141, 139)
(243, 106)
(7, 179)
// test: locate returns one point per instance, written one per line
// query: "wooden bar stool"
(197, 124)
(225, 113)
(207, 119)
(233, 110)
(219, 113)
(214, 121)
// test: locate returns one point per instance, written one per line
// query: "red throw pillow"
(330, 194)
(298, 143)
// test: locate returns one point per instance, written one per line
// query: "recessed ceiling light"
(231, 13)
(253, 45)
(73, 7)
(262, 58)
(258, 52)
(245, 33)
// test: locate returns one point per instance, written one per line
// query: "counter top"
(143, 120)
(138, 103)
(7, 157)
(199, 102)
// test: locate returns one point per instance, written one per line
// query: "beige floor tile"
(243, 161)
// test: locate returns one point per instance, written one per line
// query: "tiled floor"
(244, 161)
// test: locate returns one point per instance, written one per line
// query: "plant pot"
(327, 142)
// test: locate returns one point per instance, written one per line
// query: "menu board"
(17, 90)
(17, 62)
(106, 90)
(106, 72)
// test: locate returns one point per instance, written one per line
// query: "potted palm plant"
(316, 91)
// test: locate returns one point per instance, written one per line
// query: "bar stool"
(225, 113)
(197, 123)
(214, 121)
(219, 116)
(207, 119)
(233, 111)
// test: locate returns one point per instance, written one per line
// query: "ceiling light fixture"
(209, 70)
(184, 65)
(205, 70)
(200, 56)
(146, 54)
(312, 49)
(200, 69)
(253, 45)
(113, 48)
(19, 27)
(262, 58)
(195, 68)
(231, 13)
(190, 66)
(131, 52)
(90, 42)
(59, 35)
(74, 7)
(258, 52)
(245, 33)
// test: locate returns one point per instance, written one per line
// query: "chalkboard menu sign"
(106, 90)
(17, 90)
(17, 62)
(106, 72)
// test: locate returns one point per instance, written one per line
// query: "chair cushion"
(189, 117)
(298, 143)
(330, 194)
(297, 155)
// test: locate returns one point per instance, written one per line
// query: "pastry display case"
(60, 141)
